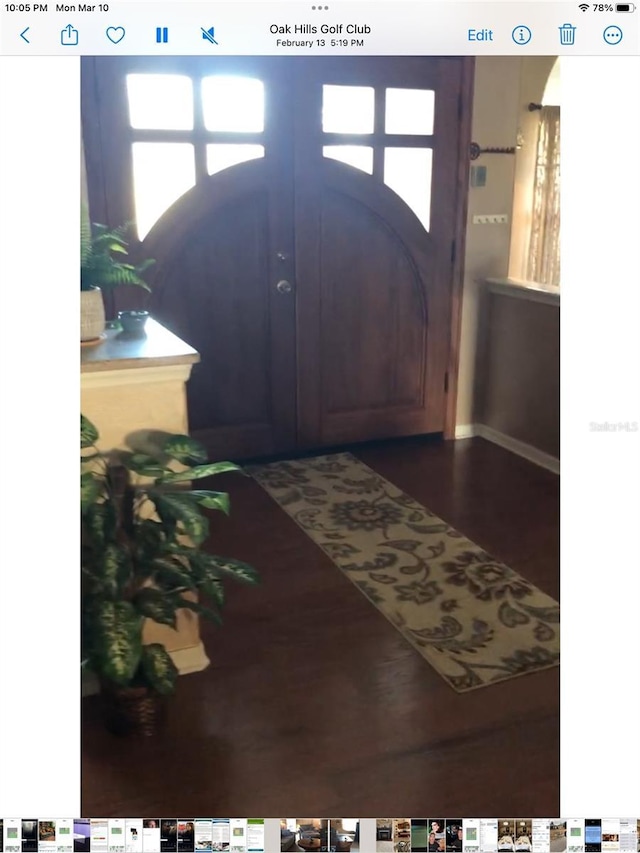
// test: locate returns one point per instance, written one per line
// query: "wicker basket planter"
(92, 318)
(133, 711)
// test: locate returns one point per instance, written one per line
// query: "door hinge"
(446, 383)
(459, 106)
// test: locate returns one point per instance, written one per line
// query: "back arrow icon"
(23, 36)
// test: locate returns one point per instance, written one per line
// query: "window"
(160, 101)
(162, 172)
(544, 244)
(534, 252)
(347, 109)
(407, 171)
(543, 262)
(409, 111)
(184, 128)
(398, 126)
(233, 104)
(222, 156)
(166, 107)
(358, 156)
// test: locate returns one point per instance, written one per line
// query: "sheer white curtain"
(544, 245)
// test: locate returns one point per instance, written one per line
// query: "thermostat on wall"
(478, 176)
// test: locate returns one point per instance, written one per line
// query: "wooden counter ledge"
(118, 351)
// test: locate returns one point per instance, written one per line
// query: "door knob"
(284, 286)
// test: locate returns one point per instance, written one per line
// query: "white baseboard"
(538, 457)
(465, 431)
(193, 659)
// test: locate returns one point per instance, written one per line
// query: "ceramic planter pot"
(133, 322)
(132, 711)
(92, 319)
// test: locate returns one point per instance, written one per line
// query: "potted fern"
(103, 251)
(143, 528)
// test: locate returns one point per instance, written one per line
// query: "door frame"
(96, 180)
(458, 274)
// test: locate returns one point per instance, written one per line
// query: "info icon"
(521, 35)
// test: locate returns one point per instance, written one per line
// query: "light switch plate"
(491, 219)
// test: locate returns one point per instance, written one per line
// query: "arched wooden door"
(316, 279)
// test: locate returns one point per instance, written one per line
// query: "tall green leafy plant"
(103, 253)
(143, 528)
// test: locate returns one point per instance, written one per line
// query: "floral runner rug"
(472, 618)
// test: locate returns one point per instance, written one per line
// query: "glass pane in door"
(358, 156)
(407, 171)
(233, 104)
(160, 101)
(162, 172)
(409, 111)
(222, 156)
(347, 109)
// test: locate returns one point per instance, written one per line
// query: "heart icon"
(115, 34)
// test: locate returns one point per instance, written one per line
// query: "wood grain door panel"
(373, 306)
(363, 287)
(214, 287)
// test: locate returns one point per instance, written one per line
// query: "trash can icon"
(567, 34)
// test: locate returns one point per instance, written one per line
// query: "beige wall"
(504, 86)
(521, 387)
(495, 121)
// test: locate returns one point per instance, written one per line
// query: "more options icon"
(612, 35)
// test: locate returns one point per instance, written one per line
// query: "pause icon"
(162, 35)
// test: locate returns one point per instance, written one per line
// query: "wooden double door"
(303, 214)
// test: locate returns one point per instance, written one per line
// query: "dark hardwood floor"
(314, 703)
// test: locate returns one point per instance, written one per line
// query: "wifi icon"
(583, 7)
